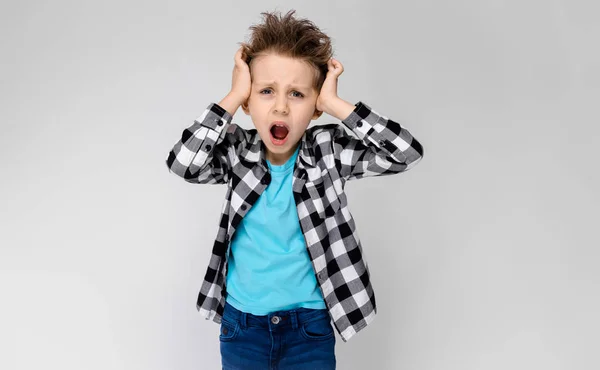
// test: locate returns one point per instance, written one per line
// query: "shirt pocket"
(323, 195)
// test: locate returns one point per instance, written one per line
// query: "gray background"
(484, 256)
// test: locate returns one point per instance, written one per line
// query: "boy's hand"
(241, 82)
(328, 100)
(329, 89)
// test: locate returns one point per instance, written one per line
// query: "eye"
(300, 95)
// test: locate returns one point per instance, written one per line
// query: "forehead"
(281, 70)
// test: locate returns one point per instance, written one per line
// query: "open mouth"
(279, 131)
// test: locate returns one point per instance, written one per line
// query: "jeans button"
(275, 319)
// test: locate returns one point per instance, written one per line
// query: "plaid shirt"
(215, 151)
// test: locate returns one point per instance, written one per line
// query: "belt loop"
(294, 319)
(243, 321)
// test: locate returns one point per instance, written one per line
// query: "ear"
(245, 107)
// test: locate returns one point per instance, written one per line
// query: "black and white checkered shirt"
(215, 151)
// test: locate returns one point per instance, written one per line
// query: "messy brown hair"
(287, 36)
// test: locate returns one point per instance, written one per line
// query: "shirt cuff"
(216, 117)
(361, 111)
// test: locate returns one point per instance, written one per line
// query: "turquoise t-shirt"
(269, 268)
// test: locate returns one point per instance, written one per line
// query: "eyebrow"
(273, 83)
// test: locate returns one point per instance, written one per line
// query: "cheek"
(308, 112)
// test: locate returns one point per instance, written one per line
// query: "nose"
(281, 105)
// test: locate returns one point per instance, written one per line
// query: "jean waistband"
(283, 318)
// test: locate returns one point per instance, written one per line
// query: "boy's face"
(282, 90)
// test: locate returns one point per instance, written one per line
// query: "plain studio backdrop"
(483, 256)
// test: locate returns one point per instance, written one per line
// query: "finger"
(333, 62)
(240, 57)
(337, 64)
(337, 69)
(329, 65)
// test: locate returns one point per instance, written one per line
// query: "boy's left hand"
(328, 92)
(328, 100)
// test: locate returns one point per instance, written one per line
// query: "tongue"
(279, 132)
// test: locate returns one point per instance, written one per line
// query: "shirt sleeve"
(383, 147)
(201, 155)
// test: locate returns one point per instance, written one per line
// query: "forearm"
(379, 137)
(231, 103)
(200, 156)
(339, 108)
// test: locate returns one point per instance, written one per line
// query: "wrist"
(339, 108)
(231, 102)
(236, 97)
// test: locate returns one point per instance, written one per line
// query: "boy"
(287, 260)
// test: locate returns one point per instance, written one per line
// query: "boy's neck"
(277, 159)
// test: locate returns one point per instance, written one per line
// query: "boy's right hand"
(241, 81)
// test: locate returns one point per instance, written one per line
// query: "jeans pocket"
(229, 330)
(318, 329)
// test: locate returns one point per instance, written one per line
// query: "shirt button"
(207, 147)
(359, 123)
(264, 181)
(382, 142)
(243, 207)
(275, 319)
(219, 122)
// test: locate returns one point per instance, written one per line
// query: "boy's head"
(288, 64)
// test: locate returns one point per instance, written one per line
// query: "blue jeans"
(297, 339)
